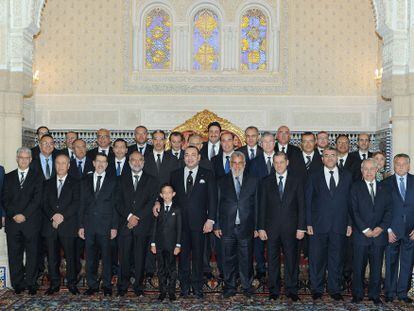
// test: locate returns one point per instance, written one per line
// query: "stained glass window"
(158, 40)
(206, 41)
(253, 41)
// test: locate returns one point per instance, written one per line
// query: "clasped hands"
(57, 220)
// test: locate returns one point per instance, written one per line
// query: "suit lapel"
(397, 188)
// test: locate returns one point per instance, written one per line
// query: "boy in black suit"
(165, 242)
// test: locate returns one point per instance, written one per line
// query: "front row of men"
(279, 209)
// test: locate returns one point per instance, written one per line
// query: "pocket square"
(173, 214)
(202, 181)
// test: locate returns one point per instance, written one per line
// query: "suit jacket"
(218, 166)
(324, 212)
(204, 150)
(402, 210)
(365, 214)
(25, 200)
(356, 159)
(293, 152)
(258, 168)
(228, 204)
(37, 167)
(300, 168)
(138, 203)
(169, 163)
(201, 203)
(148, 149)
(167, 228)
(67, 204)
(2, 214)
(246, 152)
(87, 169)
(36, 151)
(91, 154)
(98, 214)
(65, 151)
(111, 169)
(181, 162)
(280, 216)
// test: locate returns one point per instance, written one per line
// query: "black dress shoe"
(337, 297)
(316, 296)
(32, 291)
(293, 297)
(377, 301)
(405, 299)
(172, 297)
(273, 297)
(107, 291)
(90, 291)
(162, 296)
(356, 299)
(389, 299)
(18, 290)
(74, 290)
(121, 292)
(52, 290)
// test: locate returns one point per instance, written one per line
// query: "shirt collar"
(363, 152)
(398, 177)
(280, 146)
(194, 170)
(254, 148)
(122, 160)
(327, 170)
(83, 160)
(345, 156)
(284, 175)
(61, 178)
(95, 174)
(268, 155)
(43, 157)
(139, 174)
(308, 155)
(22, 171)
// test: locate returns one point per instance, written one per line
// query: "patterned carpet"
(212, 301)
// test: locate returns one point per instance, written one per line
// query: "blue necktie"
(281, 187)
(402, 188)
(80, 167)
(227, 166)
(118, 168)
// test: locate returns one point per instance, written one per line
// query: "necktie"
(308, 162)
(167, 208)
(371, 192)
(227, 166)
(118, 168)
(332, 184)
(158, 162)
(103, 151)
(251, 154)
(213, 151)
(364, 156)
(136, 179)
(238, 188)
(189, 182)
(47, 169)
(281, 187)
(177, 155)
(341, 163)
(283, 149)
(98, 186)
(80, 168)
(71, 155)
(59, 189)
(402, 188)
(140, 149)
(268, 165)
(22, 179)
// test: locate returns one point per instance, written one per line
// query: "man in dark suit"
(371, 214)
(310, 160)
(69, 139)
(211, 148)
(221, 162)
(282, 223)
(236, 224)
(103, 139)
(81, 165)
(176, 143)
(2, 214)
(400, 250)
(119, 163)
(196, 141)
(98, 223)
(22, 197)
(44, 164)
(283, 145)
(166, 242)
(41, 130)
(139, 191)
(261, 167)
(61, 200)
(322, 141)
(197, 195)
(141, 139)
(361, 154)
(328, 223)
(252, 149)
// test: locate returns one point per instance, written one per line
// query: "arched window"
(206, 41)
(253, 53)
(158, 40)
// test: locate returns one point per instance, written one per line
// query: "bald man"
(103, 140)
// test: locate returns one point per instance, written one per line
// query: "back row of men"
(326, 202)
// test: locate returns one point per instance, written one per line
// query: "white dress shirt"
(133, 182)
(95, 179)
(210, 147)
(305, 155)
(344, 157)
(105, 151)
(361, 154)
(249, 152)
(156, 155)
(265, 155)
(283, 180)
(144, 147)
(328, 175)
(123, 160)
(369, 191)
(240, 178)
(225, 155)
(280, 146)
(24, 173)
(186, 173)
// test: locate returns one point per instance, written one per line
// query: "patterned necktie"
(341, 163)
(22, 178)
(80, 168)
(227, 165)
(136, 180)
(281, 187)
(402, 188)
(371, 192)
(47, 169)
(158, 163)
(213, 151)
(98, 186)
(238, 188)
(268, 165)
(332, 184)
(59, 189)
(308, 162)
(251, 154)
(189, 182)
(118, 168)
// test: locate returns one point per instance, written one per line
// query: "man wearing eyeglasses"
(44, 165)
(103, 140)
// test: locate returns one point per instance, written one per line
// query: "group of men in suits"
(123, 204)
